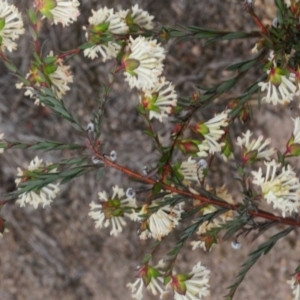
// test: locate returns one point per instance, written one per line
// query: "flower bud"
(90, 127)
(113, 155)
(236, 245)
(95, 160)
(202, 163)
(130, 64)
(188, 146)
(130, 193)
(200, 128)
(176, 129)
(145, 170)
(294, 149)
(249, 156)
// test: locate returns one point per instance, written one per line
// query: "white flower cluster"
(293, 144)
(289, 2)
(282, 190)
(102, 23)
(45, 195)
(212, 131)
(58, 78)
(59, 11)
(281, 84)
(154, 279)
(254, 149)
(111, 211)
(191, 170)
(295, 286)
(206, 242)
(161, 221)
(105, 26)
(142, 58)
(191, 286)
(11, 26)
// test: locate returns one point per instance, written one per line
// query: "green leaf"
(279, 4)
(156, 188)
(231, 36)
(227, 85)
(50, 59)
(73, 161)
(10, 66)
(149, 133)
(76, 172)
(192, 229)
(242, 66)
(147, 258)
(23, 79)
(100, 173)
(37, 58)
(32, 16)
(263, 248)
(233, 226)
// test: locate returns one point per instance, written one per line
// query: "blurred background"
(56, 253)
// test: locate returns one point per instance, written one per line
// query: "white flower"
(255, 48)
(295, 286)
(156, 280)
(5, 231)
(192, 286)
(45, 195)
(112, 211)
(205, 241)
(212, 133)
(293, 144)
(59, 11)
(143, 63)
(159, 100)
(11, 26)
(191, 170)
(154, 285)
(60, 79)
(161, 222)
(58, 74)
(65, 12)
(107, 21)
(254, 150)
(29, 91)
(108, 51)
(282, 190)
(137, 16)
(104, 23)
(296, 132)
(281, 85)
(281, 89)
(288, 2)
(136, 289)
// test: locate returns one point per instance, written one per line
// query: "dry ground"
(56, 253)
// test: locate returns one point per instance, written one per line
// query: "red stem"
(253, 213)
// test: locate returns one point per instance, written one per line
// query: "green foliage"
(59, 108)
(264, 248)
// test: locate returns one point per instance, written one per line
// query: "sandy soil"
(56, 253)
